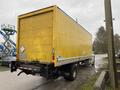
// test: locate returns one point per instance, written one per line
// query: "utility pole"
(111, 52)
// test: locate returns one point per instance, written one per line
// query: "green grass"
(108, 87)
(88, 85)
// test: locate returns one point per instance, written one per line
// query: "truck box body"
(50, 36)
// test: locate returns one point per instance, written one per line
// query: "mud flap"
(13, 66)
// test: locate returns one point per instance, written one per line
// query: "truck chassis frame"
(49, 71)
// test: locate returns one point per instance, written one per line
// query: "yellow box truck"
(51, 43)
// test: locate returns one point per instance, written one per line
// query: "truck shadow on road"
(84, 73)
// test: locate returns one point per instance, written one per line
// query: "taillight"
(53, 55)
(53, 58)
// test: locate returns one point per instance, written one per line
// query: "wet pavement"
(10, 81)
(101, 62)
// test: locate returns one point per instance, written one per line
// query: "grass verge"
(108, 86)
(88, 85)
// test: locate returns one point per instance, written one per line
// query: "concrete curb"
(100, 83)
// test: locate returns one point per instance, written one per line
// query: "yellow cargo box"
(50, 36)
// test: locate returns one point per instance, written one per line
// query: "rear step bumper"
(32, 68)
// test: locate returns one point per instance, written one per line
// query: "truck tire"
(71, 73)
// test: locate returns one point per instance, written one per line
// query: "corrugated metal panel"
(35, 37)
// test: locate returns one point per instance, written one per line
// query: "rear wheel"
(71, 73)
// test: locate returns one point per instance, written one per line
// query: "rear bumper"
(32, 68)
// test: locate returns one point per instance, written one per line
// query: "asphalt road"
(10, 81)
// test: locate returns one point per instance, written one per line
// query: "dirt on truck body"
(52, 44)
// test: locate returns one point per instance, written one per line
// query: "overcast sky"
(89, 13)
